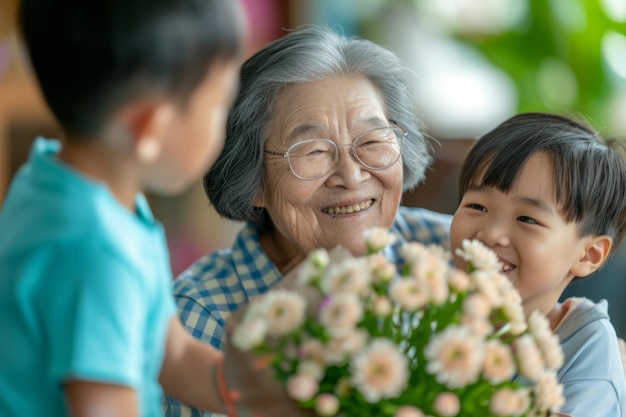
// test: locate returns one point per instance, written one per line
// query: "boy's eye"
(477, 207)
(526, 219)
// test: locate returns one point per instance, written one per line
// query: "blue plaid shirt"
(219, 283)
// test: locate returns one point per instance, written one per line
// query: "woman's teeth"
(507, 268)
(349, 209)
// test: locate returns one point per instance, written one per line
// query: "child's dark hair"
(91, 57)
(589, 173)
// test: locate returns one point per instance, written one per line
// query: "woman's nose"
(348, 171)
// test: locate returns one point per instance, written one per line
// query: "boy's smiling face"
(540, 251)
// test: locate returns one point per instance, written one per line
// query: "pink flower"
(483, 282)
(478, 327)
(341, 314)
(250, 334)
(529, 358)
(478, 255)
(548, 392)
(377, 238)
(412, 252)
(454, 356)
(447, 404)
(408, 411)
(312, 368)
(326, 405)
(348, 277)
(476, 305)
(409, 295)
(316, 263)
(302, 387)
(381, 306)
(379, 371)
(458, 280)
(508, 402)
(498, 362)
(381, 269)
(547, 342)
(284, 311)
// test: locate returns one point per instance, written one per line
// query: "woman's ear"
(595, 253)
(259, 198)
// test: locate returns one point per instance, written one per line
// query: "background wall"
(476, 62)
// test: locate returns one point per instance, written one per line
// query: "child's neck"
(116, 169)
(556, 315)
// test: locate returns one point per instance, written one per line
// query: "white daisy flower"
(548, 392)
(498, 362)
(408, 294)
(312, 368)
(458, 280)
(412, 252)
(455, 357)
(250, 334)
(326, 405)
(302, 387)
(479, 256)
(529, 357)
(379, 371)
(341, 313)
(408, 411)
(509, 402)
(377, 238)
(381, 269)
(283, 310)
(447, 404)
(348, 277)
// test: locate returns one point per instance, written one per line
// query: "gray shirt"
(592, 374)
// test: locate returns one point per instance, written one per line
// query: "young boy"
(141, 89)
(549, 197)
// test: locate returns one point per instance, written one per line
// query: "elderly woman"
(321, 143)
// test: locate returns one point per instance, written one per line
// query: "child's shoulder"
(588, 339)
(584, 316)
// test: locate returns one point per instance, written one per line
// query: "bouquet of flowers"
(362, 336)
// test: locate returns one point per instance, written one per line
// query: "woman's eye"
(526, 219)
(475, 206)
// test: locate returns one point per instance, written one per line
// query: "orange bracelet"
(222, 388)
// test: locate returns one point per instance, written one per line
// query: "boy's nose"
(493, 234)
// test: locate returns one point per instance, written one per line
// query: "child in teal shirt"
(141, 89)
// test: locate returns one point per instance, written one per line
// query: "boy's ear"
(144, 125)
(596, 251)
(149, 128)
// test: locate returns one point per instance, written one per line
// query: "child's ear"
(149, 128)
(596, 251)
(140, 127)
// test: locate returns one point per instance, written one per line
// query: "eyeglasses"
(375, 149)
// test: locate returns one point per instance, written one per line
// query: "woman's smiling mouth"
(349, 209)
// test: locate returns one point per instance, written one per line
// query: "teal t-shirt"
(85, 289)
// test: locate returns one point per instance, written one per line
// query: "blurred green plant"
(562, 56)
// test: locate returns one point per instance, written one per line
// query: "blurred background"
(475, 63)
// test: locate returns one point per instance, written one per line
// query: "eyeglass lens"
(375, 149)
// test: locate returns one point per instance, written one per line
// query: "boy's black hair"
(91, 57)
(589, 173)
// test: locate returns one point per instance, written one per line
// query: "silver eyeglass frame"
(337, 147)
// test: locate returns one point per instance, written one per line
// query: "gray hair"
(306, 54)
